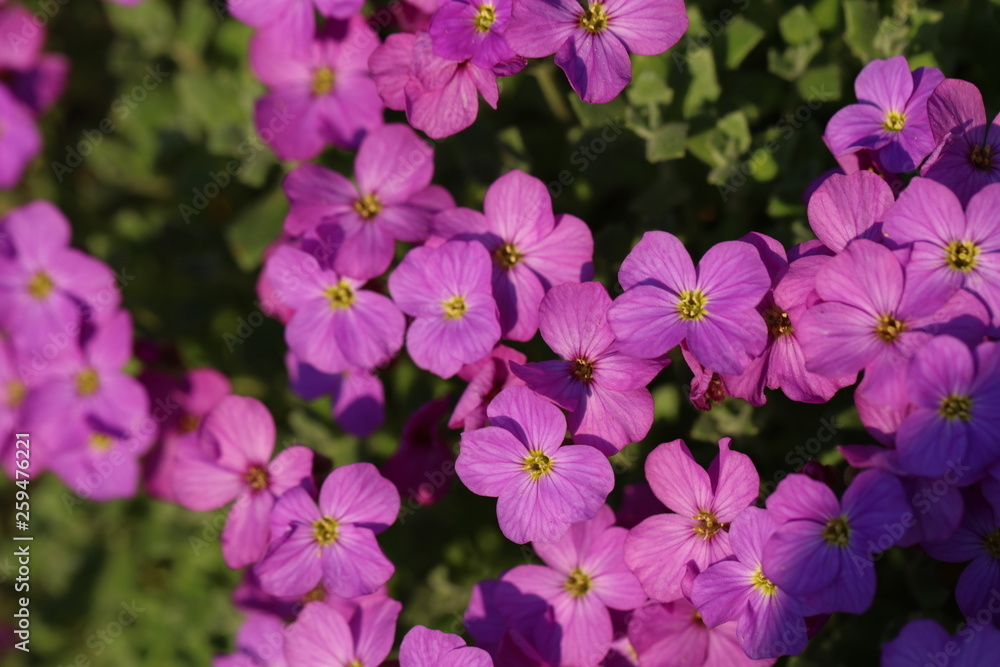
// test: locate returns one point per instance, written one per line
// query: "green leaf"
(798, 26)
(649, 87)
(741, 37)
(820, 84)
(150, 23)
(861, 18)
(667, 142)
(597, 115)
(704, 82)
(255, 228)
(792, 63)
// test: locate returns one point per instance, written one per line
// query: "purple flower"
(770, 622)
(592, 44)
(845, 208)
(823, 549)
(713, 308)
(337, 326)
(357, 397)
(447, 290)
(270, 14)
(967, 157)
(260, 642)
(487, 378)
(321, 92)
(604, 390)
(232, 461)
(532, 249)
(891, 116)
(472, 30)
(541, 485)
(423, 647)
(351, 633)
(36, 79)
(333, 543)
(20, 140)
(950, 248)
(916, 642)
(583, 577)
(423, 464)
(393, 200)
(659, 548)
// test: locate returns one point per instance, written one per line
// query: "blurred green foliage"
(717, 137)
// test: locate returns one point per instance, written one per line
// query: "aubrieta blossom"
(890, 118)
(472, 30)
(392, 201)
(274, 15)
(352, 633)
(357, 397)
(823, 550)
(712, 308)
(320, 90)
(35, 78)
(447, 290)
(332, 543)
(592, 44)
(260, 642)
(950, 248)
(423, 463)
(20, 139)
(232, 462)
(440, 96)
(967, 157)
(923, 642)
(704, 503)
(583, 577)
(337, 326)
(532, 249)
(542, 486)
(848, 207)
(487, 378)
(770, 622)
(603, 390)
(423, 647)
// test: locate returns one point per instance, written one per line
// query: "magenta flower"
(333, 543)
(320, 89)
(352, 633)
(393, 200)
(532, 249)
(487, 378)
(277, 14)
(423, 464)
(823, 550)
(890, 118)
(542, 486)
(845, 208)
(447, 290)
(592, 44)
(20, 140)
(260, 642)
(583, 577)
(357, 397)
(603, 389)
(967, 157)
(950, 248)
(713, 308)
(472, 30)
(770, 622)
(232, 462)
(36, 79)
(337, 326)
(659, 548)
(423, 647)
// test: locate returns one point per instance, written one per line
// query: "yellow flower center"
(536, 464)
(837, 531)
(961, 255)
(594, 19)
(100, 441)
(707, 524)
(485, 16)
(981, 157)
(87, 382)
(778, 324)
(762, 583)
(323, 81)
(579, 583)
(894, 121)
(454, 308)
(340, 295)
(956, 407)
(583, 369)
(40, 285)
(326, 530)
(992, 543)
(888, 328)
(692, 305)
(368, 206)
(257, 477)
(317, 594)
(507, 255)
(16, 392)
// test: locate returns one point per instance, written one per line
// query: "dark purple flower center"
(583, 369)
(87, 382)
(992, 543)
(454, 308)
(340, 295)
(323, 80)
(778, 324)
(507, 255)
(962, 255)
(888, 328)
(894, 121)
(981, 157)
(692, 305)
(706, 524)
(326, 530)
(40, 285)
(579, 583)
(257, 477)
(716, 391)
(594, 19)
(100, 441)
(16, 392)
(837, 532)
(537, 463)
(762, 583)
(368, 206)
(956, 407)
(485, 16)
